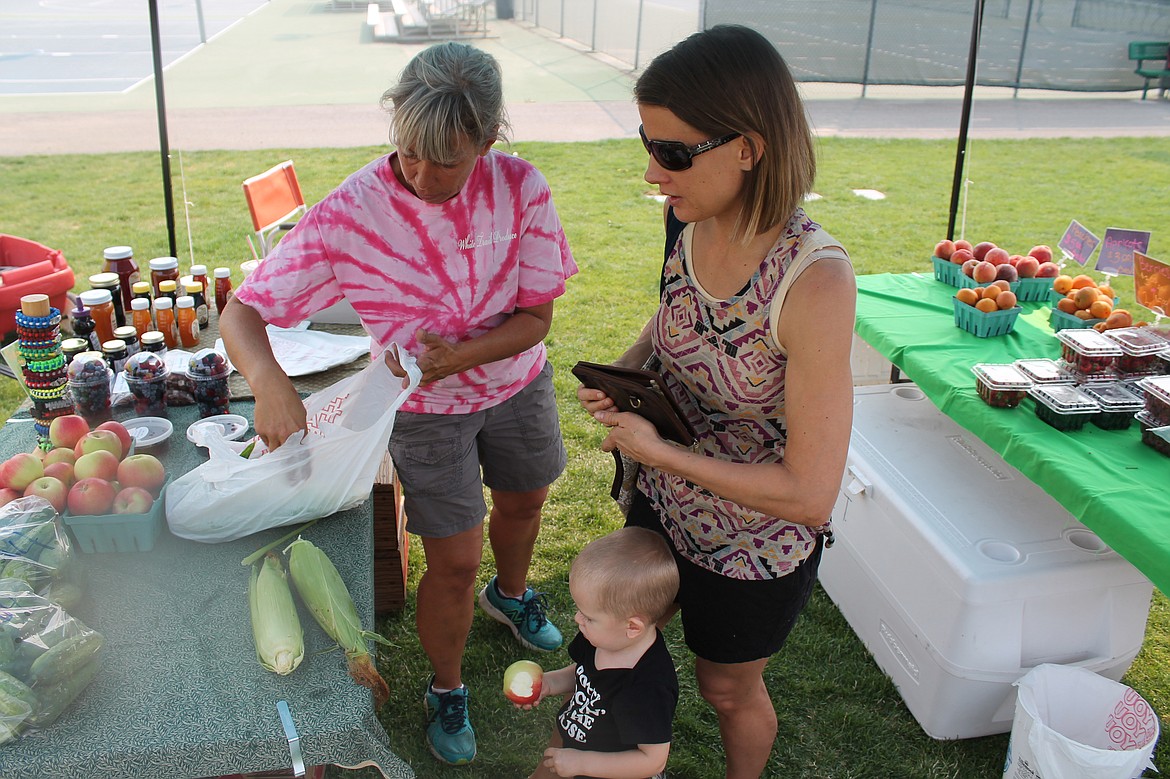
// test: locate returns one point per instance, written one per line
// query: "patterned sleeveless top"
(720, 362)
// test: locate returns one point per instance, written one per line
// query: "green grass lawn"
(839, 715)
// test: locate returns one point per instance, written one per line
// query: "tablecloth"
(1108, 479)
(181, 692)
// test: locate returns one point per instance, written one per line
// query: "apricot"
(1086, 296)
(967, 295)
(1002, 284)
(986, 305)
(1067, 305)
(1082, 313)
(1119, 318)
(1005, 300)
(990, 291)
(1100, 327)
(1082, 280)
(1101, 308)
(1106, 291)
(1062, 284)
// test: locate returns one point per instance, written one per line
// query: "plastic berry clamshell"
(1157, 405)
(1154, 435)
(1139, 349)
(1041, 370)
(1063, 406)
(1088, 352)
(1118, 405)
(1000, 385)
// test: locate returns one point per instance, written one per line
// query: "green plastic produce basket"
(949, 273)
(119, 532)
(1032, 290)
(985, 324)
(1062, 321)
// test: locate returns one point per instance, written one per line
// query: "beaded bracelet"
(38, 322)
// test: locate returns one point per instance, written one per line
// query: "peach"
(984, 272)
(51, 489)
(66, 431)
(1005, 300)
(21, 470)
(100, 464)
(91, 496)
(132, 500)
(118, 429)
(99, 439)
(960, 256)
(944, 248)
(1048, 270)
(1006, 272)
(981, 249)
(1042, 252)
(1027, 267)
(963, 243)
(997, 256)
(142, 470)
(969, 267)
(1001, 283)
(1014, 260)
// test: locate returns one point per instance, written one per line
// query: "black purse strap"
(674, 228)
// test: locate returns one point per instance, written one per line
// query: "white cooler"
(959, 574)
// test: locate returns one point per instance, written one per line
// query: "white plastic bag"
(331, 469)
(1071, 723)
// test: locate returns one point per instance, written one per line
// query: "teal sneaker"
(525, 616)
(449, 733)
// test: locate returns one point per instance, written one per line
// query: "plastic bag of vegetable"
(47, 658)
(34, 546)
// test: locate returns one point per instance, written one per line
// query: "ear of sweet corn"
(280, 644)
(324, 593)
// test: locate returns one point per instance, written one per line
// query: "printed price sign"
(1116, 257)
(1151, 283)
(1078, 243)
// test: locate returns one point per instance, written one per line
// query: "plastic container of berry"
(1042, 370)
(1118, 405)
(1088, 352)
(1063, 406)
(1001, 385)
(1139, 350)
(1157, 400)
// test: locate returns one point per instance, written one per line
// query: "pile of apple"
(985, 262)
(996, 296)
(86, 471)
(1085, 299)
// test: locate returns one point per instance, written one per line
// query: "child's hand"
(564, 762)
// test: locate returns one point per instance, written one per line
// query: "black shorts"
(729, 620)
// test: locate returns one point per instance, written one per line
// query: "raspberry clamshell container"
(1154, 435)
(1088, 352)
(1063, 406)
(1041, 370)
(1139, 349)
(1001, 385)
(1157, 406)
(1118, 405)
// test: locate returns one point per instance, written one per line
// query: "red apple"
(1006, 272)
(60, 455)
(118, 429)
(21, 470)
(984, 272)
(997, 256)
(1042, 252)
(132, 500)
(1048, 270)
(522, 682)
(100, 464)
(969, 267)
(142, 470)
(944, 248)
(981, 249)
(61, 471)
(959, 256)
(1027, 267)
(66, 431)
(91, 496)
(8, 495)
(99, 439)
(51, 489)
(962, 243)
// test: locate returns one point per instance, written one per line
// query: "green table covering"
(181, 693)
(1108, 479)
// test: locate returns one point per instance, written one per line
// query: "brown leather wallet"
(641, 392)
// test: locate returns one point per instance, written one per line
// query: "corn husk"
(324, 593)
(276, 629)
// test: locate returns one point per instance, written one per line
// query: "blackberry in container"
(1118, 405)
(1063, 406)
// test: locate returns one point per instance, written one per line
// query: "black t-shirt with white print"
(615, 709)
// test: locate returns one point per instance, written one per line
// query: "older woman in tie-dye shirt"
(455, 253)
(753, 333)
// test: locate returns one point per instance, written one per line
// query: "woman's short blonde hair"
(448, 92)
(731, 79)
(631, 572)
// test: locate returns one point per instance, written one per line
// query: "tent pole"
(163, 144)
(965, 121)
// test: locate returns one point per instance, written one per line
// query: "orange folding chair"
(275, 201)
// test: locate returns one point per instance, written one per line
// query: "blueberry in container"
(1118, 405)
(146, 376)
(1063, 406)
(208, 370)
(89, 384)
(1000, 385)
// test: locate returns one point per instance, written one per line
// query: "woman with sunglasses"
(752, 334)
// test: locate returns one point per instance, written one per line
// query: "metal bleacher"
(407, 20)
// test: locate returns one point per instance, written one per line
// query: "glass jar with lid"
(163, 269)
(120, 260)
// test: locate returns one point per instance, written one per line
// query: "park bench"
(1159, 53)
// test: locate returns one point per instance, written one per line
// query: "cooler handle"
(858, 483)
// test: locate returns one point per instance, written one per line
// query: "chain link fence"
(1068, 45)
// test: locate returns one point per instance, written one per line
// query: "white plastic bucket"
(1071, 723)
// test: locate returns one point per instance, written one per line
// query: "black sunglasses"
(676, 155)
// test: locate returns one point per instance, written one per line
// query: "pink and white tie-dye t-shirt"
(457, 269)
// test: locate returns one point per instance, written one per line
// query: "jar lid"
(118, 252)
(167, 286)
(193, 286)
(114, 345)
(126, 333)
(88, 367)
(185, 301)
(151, 337)
(1089, 342)
(146, 365)
(198, 270)
(140, 287)
(95, 297)
(1041, 370)
(75, 345)
(139, 304)
(1000, 376)
(1136, 341)
(164, 263)
(207, 364)
(81, 310)
(1064, 398)
(104, 280)
(163, 302)
(1113, 397)
(223, 273)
